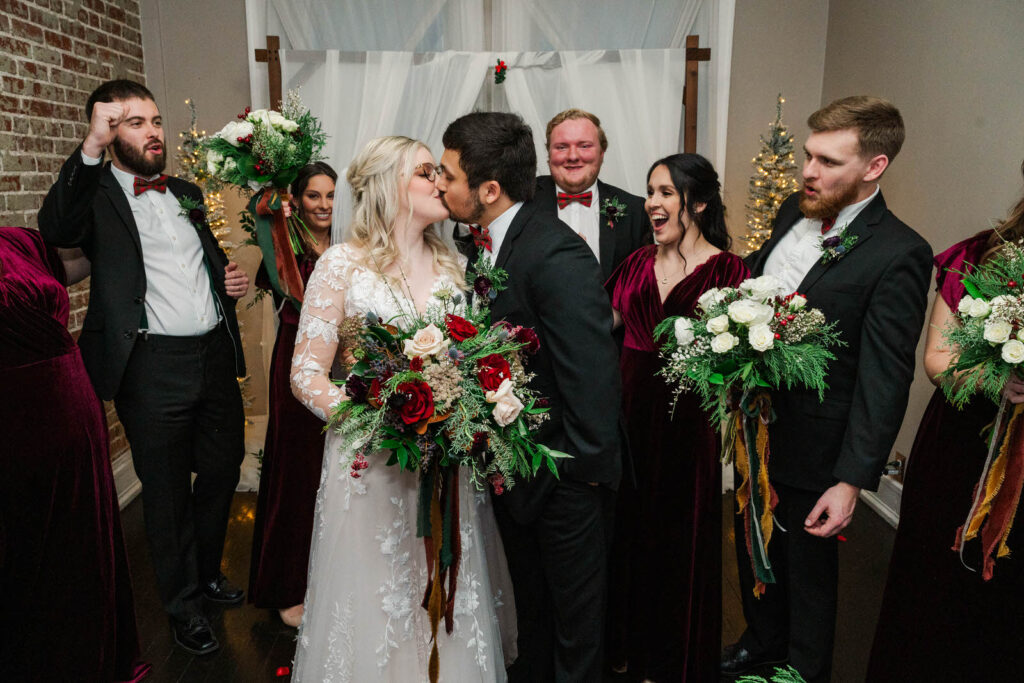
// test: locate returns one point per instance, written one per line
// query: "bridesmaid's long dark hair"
(696, 181)
(1009, 230)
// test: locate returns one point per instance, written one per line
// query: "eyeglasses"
(428, 171)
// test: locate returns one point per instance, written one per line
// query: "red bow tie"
(481, 236)
(159, 184)
(827, 223)
(565, 199)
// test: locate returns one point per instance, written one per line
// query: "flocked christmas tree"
(773, 180)
(192, 167)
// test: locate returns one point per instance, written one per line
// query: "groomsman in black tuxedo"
(553, 529)
(160, 338)
(838, 244)
(576, 145)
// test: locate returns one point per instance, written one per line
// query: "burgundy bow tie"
(159, 184)
(565, 199)
(481, 236)
(827, 223)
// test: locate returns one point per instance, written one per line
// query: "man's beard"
(828, 205)
(474, 215)
(135, 159)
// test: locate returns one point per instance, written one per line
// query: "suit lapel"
(606, 245)
(861, 227)
(115, 194)
(507, 244)
(784, 222)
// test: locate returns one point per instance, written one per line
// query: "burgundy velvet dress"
(939, 620)
(66, 606)
(289, 478)
(665, 614)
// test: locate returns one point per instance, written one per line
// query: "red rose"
(419, 401)
(460, 329)
(491, 371)
(527, 336)
(416, 364)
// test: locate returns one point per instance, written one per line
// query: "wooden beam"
(272, 58)
(694, 55)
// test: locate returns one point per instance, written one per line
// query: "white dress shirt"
(799, 249)
(179, 296)
(585, 220)
(499, 228)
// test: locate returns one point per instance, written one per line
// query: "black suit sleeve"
(66, 217)
(576, 321)
(888, 344)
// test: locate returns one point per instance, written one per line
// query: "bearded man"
(838, 244)
(161, 339)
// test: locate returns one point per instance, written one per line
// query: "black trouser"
(797, 614)
(181, 409)
(559, 572)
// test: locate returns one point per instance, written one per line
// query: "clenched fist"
(106, 117)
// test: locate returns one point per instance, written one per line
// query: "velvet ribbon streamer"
(755, 497)
(267, 209)
(438, 525)
(997, 493)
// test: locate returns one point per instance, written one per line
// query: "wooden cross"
(694, 55)
(273, 59)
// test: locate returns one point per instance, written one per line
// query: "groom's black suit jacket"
(554, 286)
(87, 208)
(625, 236)
(877, 294)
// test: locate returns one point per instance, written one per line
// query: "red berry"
(778, 336)
(790, 317)
(1011, 283)
(356, 475)
(783, 323)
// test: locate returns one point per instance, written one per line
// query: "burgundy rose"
(416, 364)
(196, 216)
(459, 328)
(526, 335)
(357, 389)
(831, 242)
(492, 370)
(419, 401)
(482, 285)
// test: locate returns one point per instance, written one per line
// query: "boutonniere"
(837, 246)
(613, 210)
(489, 281)
(499, 72)
(194, 211)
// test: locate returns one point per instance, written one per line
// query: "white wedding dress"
(367, 572)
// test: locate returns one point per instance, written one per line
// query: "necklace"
(664, 279)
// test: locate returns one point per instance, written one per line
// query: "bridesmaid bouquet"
(987, 338)
(746, 342)
(263, 152)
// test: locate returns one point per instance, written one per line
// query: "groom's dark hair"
(495, 146)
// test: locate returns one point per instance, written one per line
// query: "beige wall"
(197, 49)
(954, 70)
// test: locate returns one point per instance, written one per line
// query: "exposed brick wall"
(53, 53)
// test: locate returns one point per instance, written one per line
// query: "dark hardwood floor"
(255, 645)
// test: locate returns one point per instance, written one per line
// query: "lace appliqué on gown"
(367, 574)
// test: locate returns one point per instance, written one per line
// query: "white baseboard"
(885, 501)
(126, 483)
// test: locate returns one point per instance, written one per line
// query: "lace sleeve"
(316, 342)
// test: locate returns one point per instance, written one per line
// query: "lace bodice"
(340, 287)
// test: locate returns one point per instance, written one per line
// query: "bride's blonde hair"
(378, 175)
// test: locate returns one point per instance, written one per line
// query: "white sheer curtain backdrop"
(360, 96)
(637, 94)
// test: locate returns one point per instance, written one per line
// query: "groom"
(553, 529)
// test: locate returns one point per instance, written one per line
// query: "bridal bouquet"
(745, 342)
(987, 339)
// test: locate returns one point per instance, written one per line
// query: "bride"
(363, 620)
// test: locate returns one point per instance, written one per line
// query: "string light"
(773, 180)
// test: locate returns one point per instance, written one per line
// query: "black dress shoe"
(737, 660)
(220, 590)
(195, 636)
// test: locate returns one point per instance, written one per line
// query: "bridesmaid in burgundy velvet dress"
(66, 609)
(664, 621)
(294, 446)
(939, 620)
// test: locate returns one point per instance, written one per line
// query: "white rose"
(427, 341)
(707, 299)
(230, 165)
(1013, 352)
(762, 288)
(979, 308)
(798, 301)
(684, 331)
(750, 312)
(289, 126)
(234, 130)
(506, 406)
(718, 324)
(964, 307)
(260, 116)
(997, 331)
(276, 119)
(1000, 301)
(761, 337)
(723, 342)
